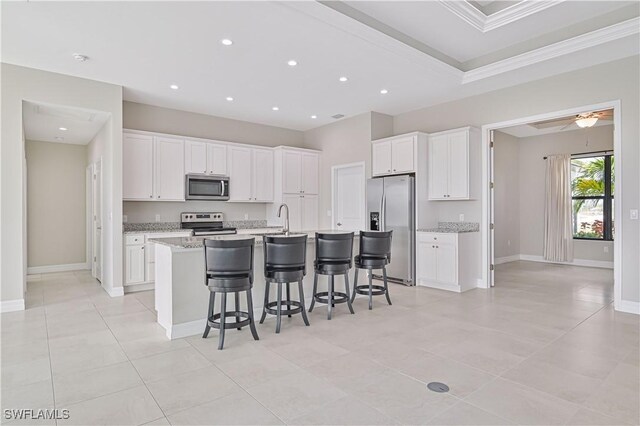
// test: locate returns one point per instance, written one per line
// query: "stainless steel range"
(203, 224)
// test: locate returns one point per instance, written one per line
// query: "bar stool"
(375, 253)
(284, 263)
(334, 254)
(229, 269)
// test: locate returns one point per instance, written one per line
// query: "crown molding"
(477, 19)
(584, 41)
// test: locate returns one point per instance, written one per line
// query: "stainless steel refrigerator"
(391, 206)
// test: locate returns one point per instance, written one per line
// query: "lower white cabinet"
(447, 261)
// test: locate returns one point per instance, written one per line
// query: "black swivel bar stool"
(375, 253)
(284, 263)
(334, 254)
(229, 269)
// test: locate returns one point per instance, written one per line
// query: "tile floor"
(543, 347)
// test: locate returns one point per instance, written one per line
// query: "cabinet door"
(402, 158)
(447, 259)
(309, 212)
(134, 264)
(310, 173)
(239, 162)
(381, 161)
(427, 261)
(262, 175)
(216, 159)
(438, 167)
(293, 201)
(291, 172)
(170, 179)
(195, 157)
(137, 167)
(459, 165)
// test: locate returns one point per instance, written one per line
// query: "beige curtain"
(558, 231)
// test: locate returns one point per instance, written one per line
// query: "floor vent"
(438, 387)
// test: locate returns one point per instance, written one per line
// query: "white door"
(310, 173)
(427, 261)
(263, 175)
(137, 167)
(438, 167)
(195, 157)
(291, 172)
(216, 159)
(293, 201)
(309, 212)
(402, 150)
(170, 180)
(134, 264)
(381, 162)
(447, 260)
(458, 165)
(239, 173)
(348, 197)
(96, 192)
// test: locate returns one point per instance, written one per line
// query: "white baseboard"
(138, 287)
(576, 262)
(58, 268)
(114, 292)
(506, 259)
(12, 305)
(628, 306)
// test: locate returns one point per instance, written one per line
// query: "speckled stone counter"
(150, 227)
(453, 227)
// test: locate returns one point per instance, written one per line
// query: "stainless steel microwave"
(207, 187)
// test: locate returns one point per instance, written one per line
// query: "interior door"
(438, 167)
(398, 217)
(492, 254)
(458, 165)
(402, 155)
(169, 169)
(348, 198)
(263, 175)
(97, 220)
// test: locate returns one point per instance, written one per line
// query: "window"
(592, 189)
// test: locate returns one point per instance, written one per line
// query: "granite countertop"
(151, 227)
(453, 227)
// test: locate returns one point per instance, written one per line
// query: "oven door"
(207, 187)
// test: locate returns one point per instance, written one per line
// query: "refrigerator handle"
(383, 218)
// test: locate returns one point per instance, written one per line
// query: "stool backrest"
(281, 252)
(223, 258)
(334, 247)
(375, 244)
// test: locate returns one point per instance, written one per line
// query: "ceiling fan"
(583, 120)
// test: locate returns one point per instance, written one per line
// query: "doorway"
(348, 192)
(96, 220)
(494, 248)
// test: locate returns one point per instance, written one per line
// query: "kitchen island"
(182, 297)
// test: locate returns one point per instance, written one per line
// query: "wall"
(616, 80)
(506, 157)
(143, 211)
(18, 84)
(56, 203)
(345, 141)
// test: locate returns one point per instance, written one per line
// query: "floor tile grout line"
(53, 390)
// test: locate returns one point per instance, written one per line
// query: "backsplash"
(174, 226)
(460, 226)
(146, 211)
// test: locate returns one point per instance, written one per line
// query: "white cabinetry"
(447, 261)
(205, 157)
(169, 160)
(450, 169)
(395, 155)
(299, 172)
(250, 174)
(137, 167)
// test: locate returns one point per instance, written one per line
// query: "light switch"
(157, 218)
(125, 219)
(246, 216)
(461, 217)
(633, 215)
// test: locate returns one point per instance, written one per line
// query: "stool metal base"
(371, 289)
(218, 321)
(335, 296)
(298, 306)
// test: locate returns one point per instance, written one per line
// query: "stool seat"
(229, 284)
(284, 274)
(366, 262)
(331, 267)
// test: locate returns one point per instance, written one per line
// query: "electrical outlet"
(157, 218)
(633, 214)
(461, 217)
(125, 219)
(509, 243)
(606, 249)
(246, 216)
(329, 213)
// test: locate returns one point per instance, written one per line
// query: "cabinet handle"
(158, 196)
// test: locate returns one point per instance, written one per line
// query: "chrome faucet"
(285, 227)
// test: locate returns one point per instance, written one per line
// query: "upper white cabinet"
(396, 155)
(152, 168)
(205, 157)
(137, 167)
(299, 172)
(449, 166)
(250, 174)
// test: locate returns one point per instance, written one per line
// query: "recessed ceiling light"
(292, 63)
(384, 91)
(226, 42)
(174, 86)
(229, 98)
(343, 79)
(64, 129)
(314, 116)
(79, 57)
(275, 108)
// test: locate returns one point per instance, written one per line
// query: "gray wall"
(506, 159)
(616, 80)
(146, 211)
(56, 203)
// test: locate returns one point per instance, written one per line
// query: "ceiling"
(558, 125)
(422, 53)
(44, 123)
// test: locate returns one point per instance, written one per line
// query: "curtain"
(558, 230)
